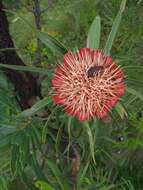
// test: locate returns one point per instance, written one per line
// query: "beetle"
(92, 71)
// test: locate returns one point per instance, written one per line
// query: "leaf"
(93, 38)
(7, 49)
(82, 174)
(44, 131)
(114, 29)
(52, 43)
(3, 183)
(135, 93)
(36, 167)
(14, 159)
(28, 68)
(7, 129)
(35, 108)
(58, 139)
(27, 181)
(3, 81)
(18, 14)
(121, 110)
(55, 170)
(24, 151)
(5, 143)
(136, 83)
(132, 67)
(43, 185)
(91, 141)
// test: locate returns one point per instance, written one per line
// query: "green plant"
(40, 151)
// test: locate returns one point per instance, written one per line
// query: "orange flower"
(88, 83)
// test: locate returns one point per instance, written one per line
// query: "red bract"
(88, 83)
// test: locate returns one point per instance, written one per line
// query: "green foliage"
(114, 29)
(43, 185)
(36, 108)
(3, 183)
(28, 69)
(52, 43)
(37, 151)
(93, 39)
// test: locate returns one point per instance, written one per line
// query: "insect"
(92, 71)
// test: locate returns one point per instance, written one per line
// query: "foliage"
(37, 151)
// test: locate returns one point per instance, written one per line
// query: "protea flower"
(88, 83)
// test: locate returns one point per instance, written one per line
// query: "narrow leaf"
(93, 38)
(14, 159)
(135, 93)
(82, 174)
(133, 82)
(36, 167)
(132, 67)
(44, 130)
(3, 184)
(55, 170)
(27, 68)
(52, 43)
(114, 29)
(121, 110)
(36, 108)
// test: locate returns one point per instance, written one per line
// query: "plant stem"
(91, 140)
(37, 16)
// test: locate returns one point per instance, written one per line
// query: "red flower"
(88, 84)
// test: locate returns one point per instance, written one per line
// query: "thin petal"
(82, 117)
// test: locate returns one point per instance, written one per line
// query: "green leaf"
(28, 69)
(91, 141)
(36, 167)
(55, 170)
(133, 82)
(43, 185)
(27, 181)
(5, 143)
(36, 108)
(3, 184)
(135, 93)
(52, 43)
(24, 151)
(114, 29)
(44, 130)
(132, 67)
(3, 81)
(121, 110)
(14, 159)
(82, 174)
(93, 38)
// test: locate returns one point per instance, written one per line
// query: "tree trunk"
(25, 83)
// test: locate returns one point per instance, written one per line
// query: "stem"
(37, 16)
(91, 140)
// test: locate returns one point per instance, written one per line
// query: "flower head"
(88, 83)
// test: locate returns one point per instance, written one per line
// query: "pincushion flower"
(88, 83)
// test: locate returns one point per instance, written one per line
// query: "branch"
(37, 16)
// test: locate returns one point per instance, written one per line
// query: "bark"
(25, 83)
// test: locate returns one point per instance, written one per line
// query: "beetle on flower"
(88, 83)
